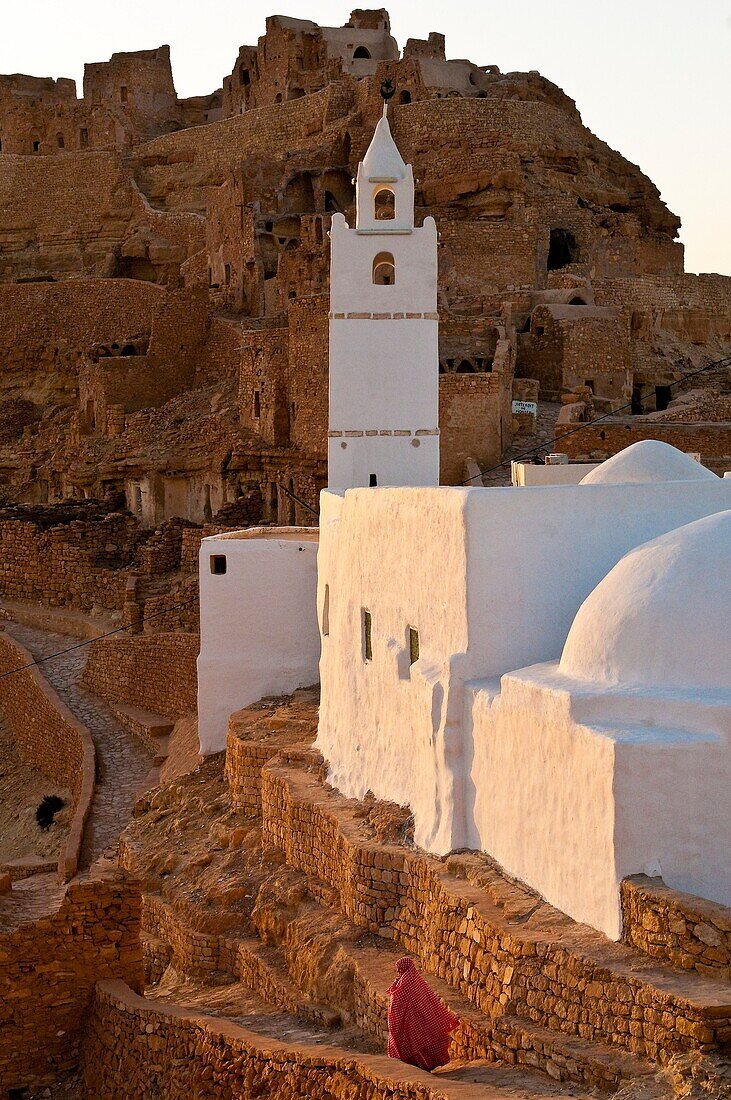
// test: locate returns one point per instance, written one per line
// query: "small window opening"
(257, 404)
(36, 146)
(539, 330)
(384, 205)
(60, 141)
(405, 97)
(326, 611)
(384, 270)
(84, 138)
(413, 645)
(361, 53)
(218, 564)
(227, 274)
(562, 249)
(123, 93)
(589, 383)
(245, 77)
(367, 637)
(372, 481)
(465, 367)
(577, 302)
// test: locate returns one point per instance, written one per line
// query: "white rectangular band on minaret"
(384, 377)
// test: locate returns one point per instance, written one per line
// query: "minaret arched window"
(384, 205)
(384, 271)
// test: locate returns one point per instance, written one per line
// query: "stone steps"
(152, 730)
(550, 970)
(137, 1047)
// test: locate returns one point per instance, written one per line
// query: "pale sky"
(650, 77)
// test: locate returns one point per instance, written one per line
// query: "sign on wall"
(525, 407)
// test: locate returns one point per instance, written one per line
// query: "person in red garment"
(419, 1025)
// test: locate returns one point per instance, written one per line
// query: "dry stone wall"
(155, 672)
(50, 738)
(48, 970)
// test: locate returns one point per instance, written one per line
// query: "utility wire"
(589, 424)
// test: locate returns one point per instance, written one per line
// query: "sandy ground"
(21, 789)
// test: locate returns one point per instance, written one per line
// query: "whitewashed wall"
(259, 632)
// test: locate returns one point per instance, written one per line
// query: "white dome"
(662, 616)
(648, 460)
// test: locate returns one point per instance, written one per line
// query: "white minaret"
(384, 331)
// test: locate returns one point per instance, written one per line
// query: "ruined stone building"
(164, 273)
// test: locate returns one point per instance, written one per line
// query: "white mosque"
(540, 673)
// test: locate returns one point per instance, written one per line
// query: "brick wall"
(470, 423)
(48, 969)
(49, 738)
(156, 672)
(596, 442)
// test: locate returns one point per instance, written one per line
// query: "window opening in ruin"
(367, 636)
(129, 349)
(662, 397)
(384, 269)
(84, 138)
(577, 302)
(218, 564)
(362, 53)
(257, 405)
(637, 407)
(589, 383)
(346, 148)
(278, 97)
(384, 205)
(137, 499)
(227, 274)
(405, 97)
(465, 367)
(372, 481)
(36, 146)
(413, 645)
(292, 411)
(562, 249)
(326, 611)
(60, 141)
(245, 77)
(123, 93)
(539, 330)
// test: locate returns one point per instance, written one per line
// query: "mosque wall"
(503, 603)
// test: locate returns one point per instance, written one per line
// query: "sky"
(650, 77)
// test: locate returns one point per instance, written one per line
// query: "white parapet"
(259, 633)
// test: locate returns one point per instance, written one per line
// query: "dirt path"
(122, 764)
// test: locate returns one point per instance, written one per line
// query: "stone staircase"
(340, 897)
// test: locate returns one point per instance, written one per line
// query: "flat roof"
(279, 534)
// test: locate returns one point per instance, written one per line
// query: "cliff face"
(173, 345)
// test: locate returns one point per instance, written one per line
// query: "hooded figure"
(419, 1025)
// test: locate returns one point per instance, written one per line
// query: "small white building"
(436, 605)
(259, 633)
(384, 331)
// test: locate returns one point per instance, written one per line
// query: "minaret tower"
(384, 331)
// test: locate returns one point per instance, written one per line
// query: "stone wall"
(421, 904)
(49, 738)
(470, 423)
(80, 564)
(597, 442)
(155, 672)
(687, 932)
(48, 970)
(144, 1048)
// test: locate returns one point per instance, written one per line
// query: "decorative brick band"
(382, 431)
(383, 316)
(50, 738)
